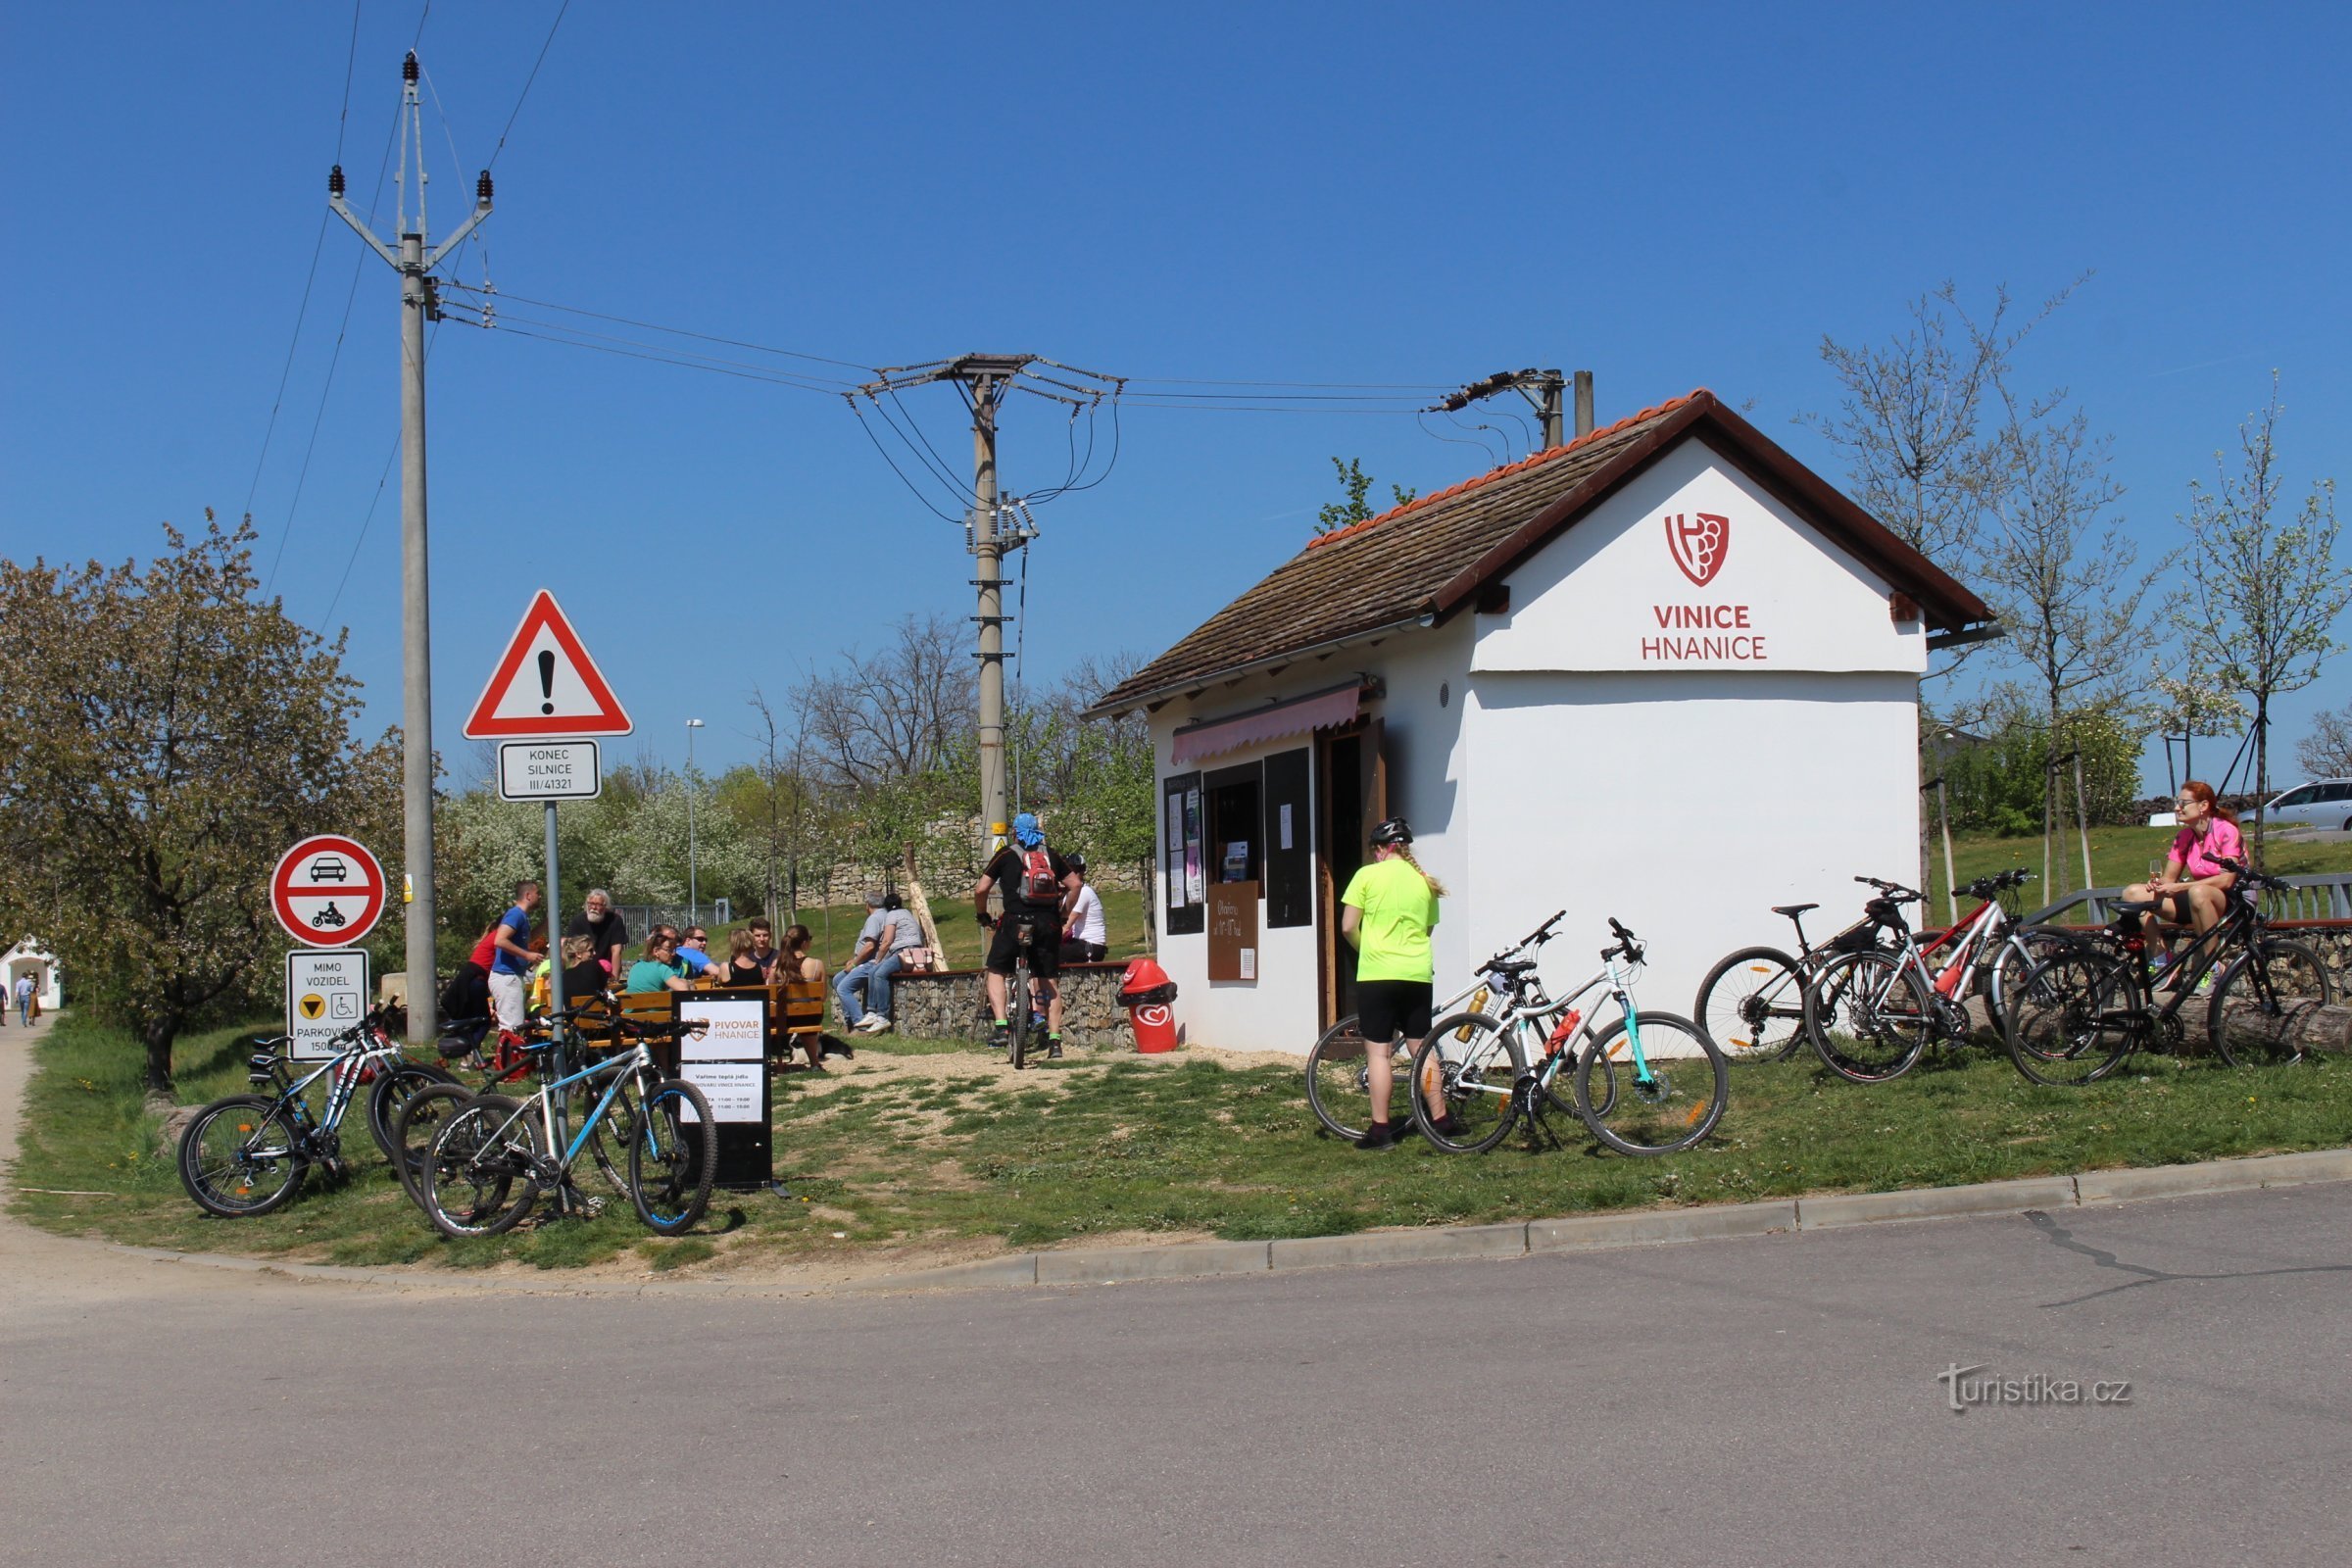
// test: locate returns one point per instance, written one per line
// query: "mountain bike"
(1648, 1082)
(494, 1145)
(1024, 1021)
(1752, 1003)
(247, 1155)
(1872, 1014)
(2081, 1014)
(527, 1054)
(1339, 1072)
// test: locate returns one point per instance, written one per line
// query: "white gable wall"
(1687, 789)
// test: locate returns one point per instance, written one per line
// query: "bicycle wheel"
(393, 1089)
(241, 1156)
(416, 1126)
(1474, 1064)
(2074, 1015)
(608, 1139)
(1689, 1086)
(1338, 1084)
(487, 1149)
(1869, 1017)
(1016, 1013)
(2015, 959)
(1752, 1005)
(2267, 982)
(674, 1157)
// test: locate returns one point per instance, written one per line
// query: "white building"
(1664, 672)
(30, 956)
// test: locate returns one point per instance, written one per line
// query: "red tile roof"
(1422, 561)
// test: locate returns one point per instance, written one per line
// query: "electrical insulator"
(334, 180)
(408, 68)
(481, 188)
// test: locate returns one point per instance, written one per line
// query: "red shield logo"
(1699, 541)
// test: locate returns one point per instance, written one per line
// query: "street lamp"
(694, 898)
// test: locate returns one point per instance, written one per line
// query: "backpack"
(1039, 884)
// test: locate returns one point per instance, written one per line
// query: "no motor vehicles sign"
(328, 891)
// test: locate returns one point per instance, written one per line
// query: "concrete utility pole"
(415, 264)
(1542, 390)
(986, 379)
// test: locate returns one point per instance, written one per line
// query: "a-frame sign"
(546, 684)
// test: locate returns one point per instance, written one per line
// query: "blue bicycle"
(495, 1155)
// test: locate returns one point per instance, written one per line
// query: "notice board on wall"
(1233, 931)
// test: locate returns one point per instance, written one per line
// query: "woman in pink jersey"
(2191, 890)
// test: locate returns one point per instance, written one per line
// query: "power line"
(301, 313)
(526, 82)
(893, 462)
(680, 332)
(1344, 387)
(373, 502)
(350, 59)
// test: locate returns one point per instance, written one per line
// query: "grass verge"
(920, 1150)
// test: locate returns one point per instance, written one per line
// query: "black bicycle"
(2085, 1012)
(246, 1154)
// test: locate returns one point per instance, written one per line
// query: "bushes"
(1996, 784)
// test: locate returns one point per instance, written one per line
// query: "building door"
(1351, 790)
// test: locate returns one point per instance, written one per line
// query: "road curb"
(1576, 1232)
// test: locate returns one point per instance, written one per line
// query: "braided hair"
(1404, 852)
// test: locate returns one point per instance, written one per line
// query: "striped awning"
(1300, 715)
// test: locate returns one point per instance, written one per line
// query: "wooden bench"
(796, 1017)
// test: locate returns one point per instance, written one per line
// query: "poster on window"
(1193, 872)
(1175, 841)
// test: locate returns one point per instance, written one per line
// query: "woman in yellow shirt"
(1387, 913)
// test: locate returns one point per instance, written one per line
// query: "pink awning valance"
(1300, 715)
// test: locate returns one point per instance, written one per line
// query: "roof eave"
(1119, 702)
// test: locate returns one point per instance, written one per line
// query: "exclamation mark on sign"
(547, 680)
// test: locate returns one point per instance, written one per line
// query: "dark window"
(1234, 800)
(1289, 833)
(1186, 866)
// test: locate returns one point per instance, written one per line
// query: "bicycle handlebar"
(2248, 874)
(1627, 942)
(1533, 939)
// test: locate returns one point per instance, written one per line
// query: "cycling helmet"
(1076, 861)
(1396, 830)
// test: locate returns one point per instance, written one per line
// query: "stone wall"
(953, 1005)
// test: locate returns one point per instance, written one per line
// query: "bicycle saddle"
(1793, 911)
(2136, 905)
(1511, 966)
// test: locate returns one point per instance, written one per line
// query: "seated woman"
(2193, 889)
(659, 969)
(743, 967)
(795, 965)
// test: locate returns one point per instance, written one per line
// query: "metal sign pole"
(554, 922)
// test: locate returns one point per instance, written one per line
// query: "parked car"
(2324, 803)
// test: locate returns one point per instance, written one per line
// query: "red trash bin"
(1146, 992)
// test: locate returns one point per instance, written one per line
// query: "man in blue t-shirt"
(513, 960)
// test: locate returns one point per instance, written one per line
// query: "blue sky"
(1383, 194)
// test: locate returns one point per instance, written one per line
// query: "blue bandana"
(1026, 832)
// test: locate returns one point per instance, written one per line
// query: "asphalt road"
(1761, 1401)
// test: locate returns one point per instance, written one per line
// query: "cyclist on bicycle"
(1386, 914)
(2193, 889)
(1040, 888)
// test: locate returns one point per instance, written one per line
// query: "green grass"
(2119, 856)
(957, 1156)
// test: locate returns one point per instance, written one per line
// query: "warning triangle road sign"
(546, 684)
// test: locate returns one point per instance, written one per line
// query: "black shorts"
(1082, 952)
(1388, 1008)
(1045, 945)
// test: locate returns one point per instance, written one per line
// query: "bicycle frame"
(619, 1068)
(1525, 1018)
(349, 1065)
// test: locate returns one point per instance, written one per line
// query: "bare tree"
(2326, 752)
(894, 713)
(2059, 568)
(2263, 596)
